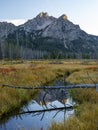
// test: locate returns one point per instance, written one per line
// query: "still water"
(41, 120)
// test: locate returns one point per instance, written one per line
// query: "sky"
(81, 12)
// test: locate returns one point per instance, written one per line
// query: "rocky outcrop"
(6, 28)
(41, 21)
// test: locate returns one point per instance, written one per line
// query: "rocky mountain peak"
(41, 21)
(63, 17)
(43, 14)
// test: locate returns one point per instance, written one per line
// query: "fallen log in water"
(46, 110)
(71, 86)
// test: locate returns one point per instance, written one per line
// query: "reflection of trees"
(48, 96)
(45, 100)
(43, 111)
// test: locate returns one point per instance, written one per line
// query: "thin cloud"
(16, 21)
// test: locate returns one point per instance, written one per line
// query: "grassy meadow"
(38, 73)
(86, 114)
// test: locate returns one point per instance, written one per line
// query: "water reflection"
(41, 120)
(51, 95)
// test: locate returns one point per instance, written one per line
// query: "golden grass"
(85, 95)
(37, 73)
(87, 75)
(86, 115)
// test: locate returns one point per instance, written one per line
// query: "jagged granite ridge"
(47, 36)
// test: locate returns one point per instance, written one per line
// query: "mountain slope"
(39, 22)
(5, 29)
(46, 36)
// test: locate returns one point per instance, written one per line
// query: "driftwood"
(46, 110)
(71, 86)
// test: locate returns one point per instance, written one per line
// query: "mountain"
(5, 29)
(70, 36)
(41, 21)
(47, 37)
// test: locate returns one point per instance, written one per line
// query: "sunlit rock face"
(42, 14)
(63, 17)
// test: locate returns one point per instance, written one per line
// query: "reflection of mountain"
(51, 95)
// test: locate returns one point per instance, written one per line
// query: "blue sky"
(82, 12)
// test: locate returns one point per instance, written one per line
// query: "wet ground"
(41, 120)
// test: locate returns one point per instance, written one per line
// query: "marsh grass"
(86, 114)
(36, 73)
